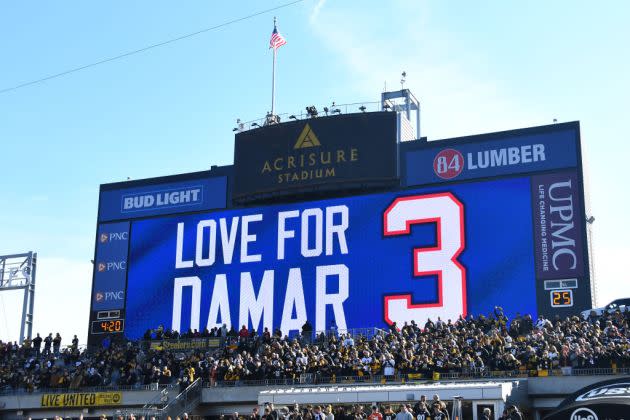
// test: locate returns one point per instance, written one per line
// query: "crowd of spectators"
(423, 409)
(471, 345)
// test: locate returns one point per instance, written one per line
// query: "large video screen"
(472, 223)
(362, 261)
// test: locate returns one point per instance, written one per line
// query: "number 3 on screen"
(447, 212)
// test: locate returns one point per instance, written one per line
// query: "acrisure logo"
(306, 165)
(307, 138)
(584, 414)
(179, 197)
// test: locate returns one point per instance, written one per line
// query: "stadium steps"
(161, 408)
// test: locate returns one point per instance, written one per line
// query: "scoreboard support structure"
(17, 272)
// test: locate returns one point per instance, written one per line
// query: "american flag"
(276, 40)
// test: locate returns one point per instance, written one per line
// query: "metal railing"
(313, 379)
(209, 343)
(185, 402)
(333, 109)
(161, 408)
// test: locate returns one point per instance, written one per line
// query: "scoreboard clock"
(561, 298)
(108, 326)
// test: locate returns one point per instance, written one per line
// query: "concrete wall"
(30, 405)
(532, 392)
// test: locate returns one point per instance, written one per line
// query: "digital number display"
(561, 298)
(109, 326)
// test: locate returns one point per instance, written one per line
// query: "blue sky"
(476, 67)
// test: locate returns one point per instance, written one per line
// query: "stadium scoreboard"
(440, 229)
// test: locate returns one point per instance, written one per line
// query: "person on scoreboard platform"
(37, 344)
(47, 343)
(75, 343)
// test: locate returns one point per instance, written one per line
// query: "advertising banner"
(326, 152)
(110, 266)
(557, 226)
(83, 399)
(362, 261)
(453, 160)
(165, 198)
(187, 344)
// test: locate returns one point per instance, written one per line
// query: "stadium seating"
(475, 346)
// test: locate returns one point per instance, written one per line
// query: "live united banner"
(83, 399)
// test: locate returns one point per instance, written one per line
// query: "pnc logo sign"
(584, 414)
(114, 236)
(109, 296)
(307, 138)
(112, 266)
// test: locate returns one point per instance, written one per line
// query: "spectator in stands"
(307, 331)
(329, 414)
(422, 413)
(438, 412)
(56, 344)
(514, 413)
(47, 343)
(471, 346)
(389, 414)
(403, 413)
(75, 343)
(486, 414)
(37, 344)
(375, 415)
(243, 333)
(317, 413)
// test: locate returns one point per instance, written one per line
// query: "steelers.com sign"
(362, 261)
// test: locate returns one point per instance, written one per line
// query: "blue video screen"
(358, 262)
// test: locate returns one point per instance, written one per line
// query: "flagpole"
(273, 77)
